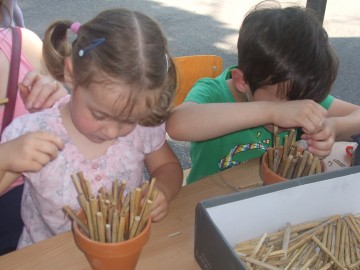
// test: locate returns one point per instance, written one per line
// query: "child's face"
(93, 114)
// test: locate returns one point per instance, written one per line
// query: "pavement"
(211, 27)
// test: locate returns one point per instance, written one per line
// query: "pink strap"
(13, 78)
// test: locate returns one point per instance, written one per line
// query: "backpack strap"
(12, 87)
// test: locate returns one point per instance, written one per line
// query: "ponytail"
(56, 48)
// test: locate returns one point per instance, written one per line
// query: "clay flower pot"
(267, 174)
(107, 256)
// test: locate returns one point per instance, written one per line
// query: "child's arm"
(40, 92)
(166, 168)
(196, 122)
(27, 153)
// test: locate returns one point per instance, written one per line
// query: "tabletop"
(171, 244)
(171, 239)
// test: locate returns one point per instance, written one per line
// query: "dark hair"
(289, 47)
(134, 52)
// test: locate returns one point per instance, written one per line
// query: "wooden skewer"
(134, 227)
(286, 240)
(287, 165)
(73, 216)
(270, 155)
(107, 233)
(259, 263)
(121, 229)
(100, 227)
(3, 101)
(258, 245)
(317, 241)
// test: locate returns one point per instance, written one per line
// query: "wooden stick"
(100, 227)
(327, 266)
(94, 208)
(287, 165)
(313, 165)
(115, 192)
(77, 184)
(259, 263)
(144, 216)
(258, 245)
(307, 168)
(3, 101)
(150, 190)
(74, 217)
(286, 146)
(303, 161)
(318, 167)
(137, 201)
(85, 185)
(275, 136)
(286, 239)
(291, 137)
(132, 207)
(121, 229)
(317, 241)
(89, 220)
(338, 237)
(310, 261)
(270, 156)
(108, 233)
(277, 159)
(291, 170)
(281, 166)
(115, 226)
(121, 192)
(134, 227)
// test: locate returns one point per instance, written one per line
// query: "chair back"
(192, 68)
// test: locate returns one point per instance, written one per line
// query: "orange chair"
(192, 68)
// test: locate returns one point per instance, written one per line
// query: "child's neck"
(237, 95)
(87, 148)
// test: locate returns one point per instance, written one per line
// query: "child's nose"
(112, 132)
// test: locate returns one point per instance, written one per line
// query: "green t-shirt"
(211, 156)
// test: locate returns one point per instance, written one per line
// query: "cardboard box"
(222, 222)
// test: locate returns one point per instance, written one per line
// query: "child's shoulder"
(45, 120)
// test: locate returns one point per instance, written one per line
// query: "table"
(171, 244)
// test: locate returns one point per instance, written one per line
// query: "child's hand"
(29, 152)
(40, 92)
(160, 207)
(306, 114)
(321, 142)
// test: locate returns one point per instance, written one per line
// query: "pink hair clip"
(74, 27)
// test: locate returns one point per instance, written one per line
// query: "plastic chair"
(192, 68)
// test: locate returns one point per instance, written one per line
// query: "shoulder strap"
(13, 78)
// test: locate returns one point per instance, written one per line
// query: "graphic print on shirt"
(228, 161)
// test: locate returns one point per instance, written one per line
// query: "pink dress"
(47, 191)
(25, 67)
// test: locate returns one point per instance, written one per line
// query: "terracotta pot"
(269, 177)
(108, 256)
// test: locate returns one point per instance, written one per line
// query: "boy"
(285, 70)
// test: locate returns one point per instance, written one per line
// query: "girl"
(122, 81)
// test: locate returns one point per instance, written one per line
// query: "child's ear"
(238, 80)
(68, 73)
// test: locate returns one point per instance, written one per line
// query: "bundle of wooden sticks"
(289, 161)
(322, 244)
(113, 216)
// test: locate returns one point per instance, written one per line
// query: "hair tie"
(74, 27)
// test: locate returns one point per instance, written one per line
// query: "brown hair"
(289, 47)
(134, 52)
